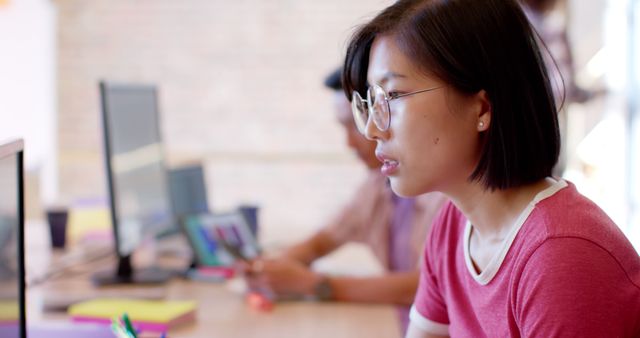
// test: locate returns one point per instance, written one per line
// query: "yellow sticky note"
(88, 220)
(9, 311)
(137, 310)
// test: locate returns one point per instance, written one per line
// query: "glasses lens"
(380, 107)
(360, 112)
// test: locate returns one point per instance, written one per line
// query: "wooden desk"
(224, 313)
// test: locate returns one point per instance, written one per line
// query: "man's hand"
(282, 277)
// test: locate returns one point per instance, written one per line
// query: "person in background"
(546, 17)
(393, 227)
(458, 100)
(551, 25)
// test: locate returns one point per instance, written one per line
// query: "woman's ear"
(484, 110)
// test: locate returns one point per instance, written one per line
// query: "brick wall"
(240, 90)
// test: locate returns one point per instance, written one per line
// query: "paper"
(88, 222)
(143, 313)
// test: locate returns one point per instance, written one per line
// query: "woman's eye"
(393, 95)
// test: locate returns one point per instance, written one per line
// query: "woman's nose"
(371, 131)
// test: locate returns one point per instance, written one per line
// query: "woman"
(457, 97)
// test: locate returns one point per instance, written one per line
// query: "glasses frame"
(357, 100)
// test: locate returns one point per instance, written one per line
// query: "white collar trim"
(494, 265)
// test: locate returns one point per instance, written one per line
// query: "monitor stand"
(125, 274)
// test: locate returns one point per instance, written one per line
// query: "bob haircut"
(476, 45)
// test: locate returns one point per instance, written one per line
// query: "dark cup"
(250, 214)
(58, 226)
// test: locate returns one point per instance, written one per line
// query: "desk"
(223, 312)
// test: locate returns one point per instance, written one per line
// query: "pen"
(234, 250)
(116, 329)
(119, 331)
(128, 326)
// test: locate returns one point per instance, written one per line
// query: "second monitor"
(137, 180)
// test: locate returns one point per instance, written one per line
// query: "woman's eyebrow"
(388, 76)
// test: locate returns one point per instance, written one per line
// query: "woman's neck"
(493, 213)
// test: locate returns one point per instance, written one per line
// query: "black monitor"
(12, 271)
(188, 190)
(137, 180)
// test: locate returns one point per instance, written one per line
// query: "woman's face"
(433, 140)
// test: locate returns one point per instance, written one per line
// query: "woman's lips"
(389, 166)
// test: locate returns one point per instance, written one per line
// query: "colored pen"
(234, 250)
(115, 327)
(128, 326)
(119, 331)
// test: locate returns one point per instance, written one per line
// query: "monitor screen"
(138, 183)
(11, 237)
(188, 190)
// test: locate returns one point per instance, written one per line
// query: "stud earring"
(481, 125)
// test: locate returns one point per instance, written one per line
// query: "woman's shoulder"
(568, 213)
(570, 221)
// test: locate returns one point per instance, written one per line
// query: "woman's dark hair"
(334, 80)
(476, 45)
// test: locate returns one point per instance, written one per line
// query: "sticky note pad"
(146, 315)
(88, 222)
(9, 311)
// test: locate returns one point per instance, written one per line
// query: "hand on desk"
(281, 277)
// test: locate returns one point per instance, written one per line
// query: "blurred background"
(241, 92)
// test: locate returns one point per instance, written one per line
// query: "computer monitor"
(188, 190)
(137, 181)
(12, 271)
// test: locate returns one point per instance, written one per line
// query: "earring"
(481, 125)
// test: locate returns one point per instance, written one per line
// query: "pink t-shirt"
(565, 270)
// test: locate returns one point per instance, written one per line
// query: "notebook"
(146, 315)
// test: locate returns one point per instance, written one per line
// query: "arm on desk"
(290, 274)
(284, 276)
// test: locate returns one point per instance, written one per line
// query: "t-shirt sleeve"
(429, 311)
(571, 287)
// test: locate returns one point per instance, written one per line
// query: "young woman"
(456, 95)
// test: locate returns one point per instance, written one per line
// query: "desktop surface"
(222, 311)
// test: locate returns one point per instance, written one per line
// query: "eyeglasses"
(377, 106)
